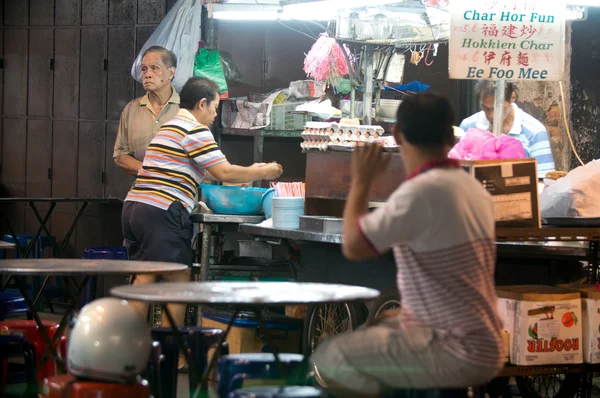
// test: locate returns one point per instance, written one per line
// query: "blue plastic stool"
(235, 368)
(163, 376)
(12, 346)
(278, 326)
(11, 302)
(278, 392)
(88, 293)
(42, 242)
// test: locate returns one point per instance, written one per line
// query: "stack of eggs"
(337, 136)
(317, 136)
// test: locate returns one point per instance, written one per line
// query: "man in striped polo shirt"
(155, 218)
(440, 225)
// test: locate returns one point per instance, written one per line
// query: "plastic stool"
(43, 242)
(278, 392)
(17, 346)
(245, 335)
(88, 293)
(11, 302)
(30, 331)
(234, 369)
(68, 386)
(199, 341)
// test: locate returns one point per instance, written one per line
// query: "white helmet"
(110, 342)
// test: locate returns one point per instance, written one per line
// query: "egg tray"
(322, 136)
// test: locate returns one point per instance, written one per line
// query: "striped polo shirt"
(530, 131)
(175, 163)
(440, 226)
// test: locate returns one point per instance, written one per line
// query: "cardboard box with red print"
(590, 321)
(543, 323)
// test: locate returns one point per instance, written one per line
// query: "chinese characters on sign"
(507, 39)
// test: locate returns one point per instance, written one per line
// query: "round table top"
(63, 266)
(244, 293)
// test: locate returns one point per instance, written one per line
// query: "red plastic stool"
(29, 330)
(68, 386)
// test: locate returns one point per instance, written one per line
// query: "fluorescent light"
(302, 15)
(268, 12)
(247, 12)
(246, 15)
(318, 6)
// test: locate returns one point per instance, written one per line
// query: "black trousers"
(153, 234)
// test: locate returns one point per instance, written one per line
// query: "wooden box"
(328, 178)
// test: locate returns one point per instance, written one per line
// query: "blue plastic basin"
(233, 200)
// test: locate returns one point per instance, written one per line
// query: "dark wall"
(269, 57)
(585, 91)
(65, 80)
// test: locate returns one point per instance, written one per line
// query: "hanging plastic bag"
(179, 32)
(208, 65)
(232, 73)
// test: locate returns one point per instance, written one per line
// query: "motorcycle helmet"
(110, 342)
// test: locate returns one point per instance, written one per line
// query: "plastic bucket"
(267, 202)
(287, 212)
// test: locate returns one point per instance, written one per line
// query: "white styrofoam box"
(590, 320)
(591, 330)
(543, 324)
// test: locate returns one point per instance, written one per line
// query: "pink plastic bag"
(482, 145)
(471, 145)
(503, 147)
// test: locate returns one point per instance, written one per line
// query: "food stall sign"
(507, 39)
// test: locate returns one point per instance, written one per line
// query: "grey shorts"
(153, 234)
(386, 356)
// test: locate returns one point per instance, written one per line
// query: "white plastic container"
(287, 212)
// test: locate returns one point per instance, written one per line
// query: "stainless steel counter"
(292, 234)
(225, 218)
(517, 248)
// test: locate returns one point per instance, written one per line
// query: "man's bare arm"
(128, 163)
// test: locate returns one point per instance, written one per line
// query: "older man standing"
(142, 118)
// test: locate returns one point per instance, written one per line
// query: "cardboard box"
(590, 321)
(543, 324)
(513, 185)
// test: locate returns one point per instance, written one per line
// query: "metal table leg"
(291, 378)
(259, 149)
(205, 255)
(50, 351)
(12, 233)
(202, 390)
(71, 230)
(43, 223)
(593, 261)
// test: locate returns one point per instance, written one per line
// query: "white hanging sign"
(507, 39)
